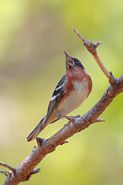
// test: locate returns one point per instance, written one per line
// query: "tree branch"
(77, 124)
(91, 47)
(7, 166)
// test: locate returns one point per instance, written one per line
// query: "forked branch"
(91, 47)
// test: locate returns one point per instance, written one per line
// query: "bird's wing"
(56, 96)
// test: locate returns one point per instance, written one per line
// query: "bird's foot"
(73, 118)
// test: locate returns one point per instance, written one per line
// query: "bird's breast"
(75, 98)
(81, 88)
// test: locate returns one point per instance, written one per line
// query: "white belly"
(76, 98)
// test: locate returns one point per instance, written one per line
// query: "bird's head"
(72, 62)
(74, 68)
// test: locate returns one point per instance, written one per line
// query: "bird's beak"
(69, 60)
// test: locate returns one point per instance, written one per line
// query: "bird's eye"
(70, 67)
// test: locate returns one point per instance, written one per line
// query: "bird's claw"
(73, 118)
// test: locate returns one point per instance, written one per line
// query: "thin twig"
(37, 170)
(7, 166)
(99, 120)
(6, 173)
(106, 72)
(78, 34)
(91, 47)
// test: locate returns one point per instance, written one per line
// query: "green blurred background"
(33, 36)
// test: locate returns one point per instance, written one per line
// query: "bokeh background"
(33, 36)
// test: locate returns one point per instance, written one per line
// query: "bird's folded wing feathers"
(56, 96)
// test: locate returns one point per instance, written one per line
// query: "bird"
(70, 92)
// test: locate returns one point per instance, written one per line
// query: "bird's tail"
(42, 124)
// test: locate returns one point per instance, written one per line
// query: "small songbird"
(73, 88)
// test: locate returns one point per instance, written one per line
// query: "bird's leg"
(58, 115)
